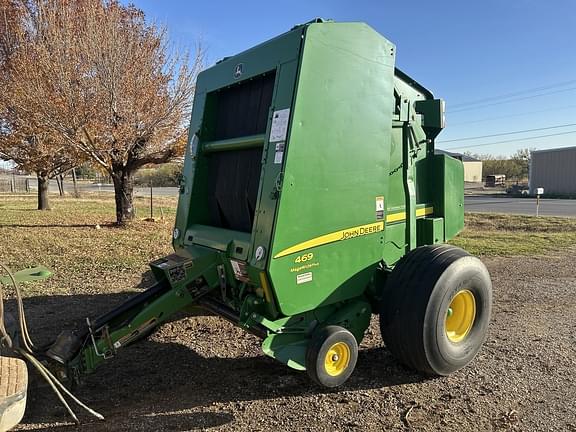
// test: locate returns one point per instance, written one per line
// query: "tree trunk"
(43, 182)
(61, 184)
(74, 180)
(123, 194)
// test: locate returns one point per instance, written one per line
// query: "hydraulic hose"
(25, 339)
(5, 338)
(29, 349)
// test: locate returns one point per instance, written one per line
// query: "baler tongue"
(13, 385)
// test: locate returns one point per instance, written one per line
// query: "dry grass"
(84, 259)
(507, 235)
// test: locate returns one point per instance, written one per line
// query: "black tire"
(333, 339)
(414, 319)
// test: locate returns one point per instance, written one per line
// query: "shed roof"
(572, 148)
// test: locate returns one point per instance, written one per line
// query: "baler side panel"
(336, 168)
(449, 196)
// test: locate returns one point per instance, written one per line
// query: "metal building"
(554, 170)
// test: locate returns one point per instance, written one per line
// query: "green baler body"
(309, 172)
(347, 179)
(319, 184)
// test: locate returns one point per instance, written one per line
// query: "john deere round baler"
(311, 199)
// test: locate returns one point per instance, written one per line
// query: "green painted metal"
(288, 338)
(220, 239)
(182, 280)
(234, 143)
(430, 230)
(449, 193)
(280, 55)
(28, 275)
(349, 183)
(335, 165)
(111, 340)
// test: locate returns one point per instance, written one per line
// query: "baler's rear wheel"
(436, 308)
(331, 356)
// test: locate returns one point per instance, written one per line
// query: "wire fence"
(14, 184)
(20, 184)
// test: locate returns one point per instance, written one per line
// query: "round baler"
(312, 198)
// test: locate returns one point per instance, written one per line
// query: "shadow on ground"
(164, 385)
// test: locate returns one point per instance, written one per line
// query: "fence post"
(151, 203)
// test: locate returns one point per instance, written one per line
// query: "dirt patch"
(200, 373)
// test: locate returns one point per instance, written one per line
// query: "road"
(522, 206)
(479, 204)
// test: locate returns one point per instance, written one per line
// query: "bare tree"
(109, 84)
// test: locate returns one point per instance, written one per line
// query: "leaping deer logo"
(238, 70)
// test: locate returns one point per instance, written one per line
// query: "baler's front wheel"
(436, 309)
(331, 356)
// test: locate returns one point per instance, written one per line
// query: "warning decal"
(279, 125)
(303, 278)
(379, 207)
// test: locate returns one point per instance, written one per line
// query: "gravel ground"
(201, 373)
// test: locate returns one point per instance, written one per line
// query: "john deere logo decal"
(238, 70)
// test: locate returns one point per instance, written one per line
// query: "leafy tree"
(522, 159)
(108, 83)
(35, 151)
(86, 170)
(34, 147)
(514, 167)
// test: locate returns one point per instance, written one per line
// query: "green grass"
(507, 235)
(89, 260)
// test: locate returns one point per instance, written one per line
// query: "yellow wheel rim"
(337, 359)
(460, 316)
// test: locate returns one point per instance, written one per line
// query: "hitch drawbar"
(13, 385)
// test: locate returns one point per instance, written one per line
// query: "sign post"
(539, 191)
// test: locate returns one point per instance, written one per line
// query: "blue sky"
(464, 51)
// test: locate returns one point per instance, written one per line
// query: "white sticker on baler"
(279, 125)
(303, 278)
(379, 207)
(279, 153)
(236, 267)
